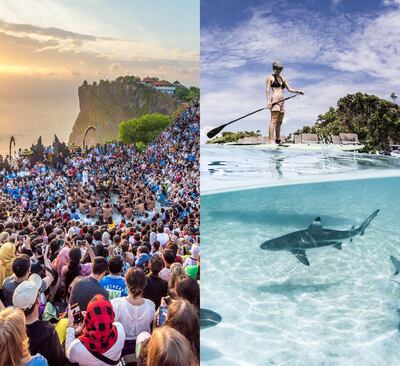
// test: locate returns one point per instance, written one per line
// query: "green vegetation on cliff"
(376, 121)
(187, 94)
(142, 130)
(233, 136)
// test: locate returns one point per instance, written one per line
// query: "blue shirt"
(115, 285)
(37, 360)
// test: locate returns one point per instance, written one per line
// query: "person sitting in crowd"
(134, 312)
(7, 256)
(156, 288)
(74, 267)
(14, 343)
(194, 256)
(83, 288)
(168, 258)
(100, 339)
(21, 268)
(43, 338)
(183, 317)
(168, 347)
(114, 283)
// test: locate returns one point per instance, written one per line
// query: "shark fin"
(352, 227)
(316, 224)
(338, 246)
(301, 256)
(365, 224)
(396, 264)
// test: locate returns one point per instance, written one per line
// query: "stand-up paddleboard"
(290, 146)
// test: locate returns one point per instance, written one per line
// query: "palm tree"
(394, 97)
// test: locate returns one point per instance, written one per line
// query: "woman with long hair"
(134, 312)
(14, 342)
(168, 347)
(177, 274)
(183, 317)
(75, 268)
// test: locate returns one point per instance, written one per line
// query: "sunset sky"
(47, 49)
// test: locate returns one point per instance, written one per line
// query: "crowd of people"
(100, 254)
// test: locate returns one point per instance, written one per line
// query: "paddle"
(215, 131)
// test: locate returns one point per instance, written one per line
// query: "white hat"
(71, 232)
(195, 251)
(26, 293)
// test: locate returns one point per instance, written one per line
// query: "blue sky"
(329, 48)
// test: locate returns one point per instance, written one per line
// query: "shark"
(396, 264)
(315, 236)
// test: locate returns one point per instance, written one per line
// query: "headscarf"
(99, 332)
(4, 236)
(105, 238)
(7, 255)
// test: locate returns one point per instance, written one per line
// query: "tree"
(187, 94)
(394, 97)
(144, 129)
(376, 121)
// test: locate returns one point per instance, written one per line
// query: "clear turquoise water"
(342, 310)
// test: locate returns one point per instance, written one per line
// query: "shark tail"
(366, 223)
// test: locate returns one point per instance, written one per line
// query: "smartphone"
(21, 237)
(77, 314)
(81, 242)
(162, 314)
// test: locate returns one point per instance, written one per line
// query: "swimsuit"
(277, 84)
(279, 107)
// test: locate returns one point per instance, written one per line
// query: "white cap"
(195, 251)
(26, 293)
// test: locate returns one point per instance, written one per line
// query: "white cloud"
(374, 49)
(349, 56)
(363, 44)
(261, 39)
(111, 48)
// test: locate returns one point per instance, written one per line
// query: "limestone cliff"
(106, 104)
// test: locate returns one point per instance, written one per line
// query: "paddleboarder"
(276, 84)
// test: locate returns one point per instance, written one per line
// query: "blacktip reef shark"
(315, 236)
(396, 264)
